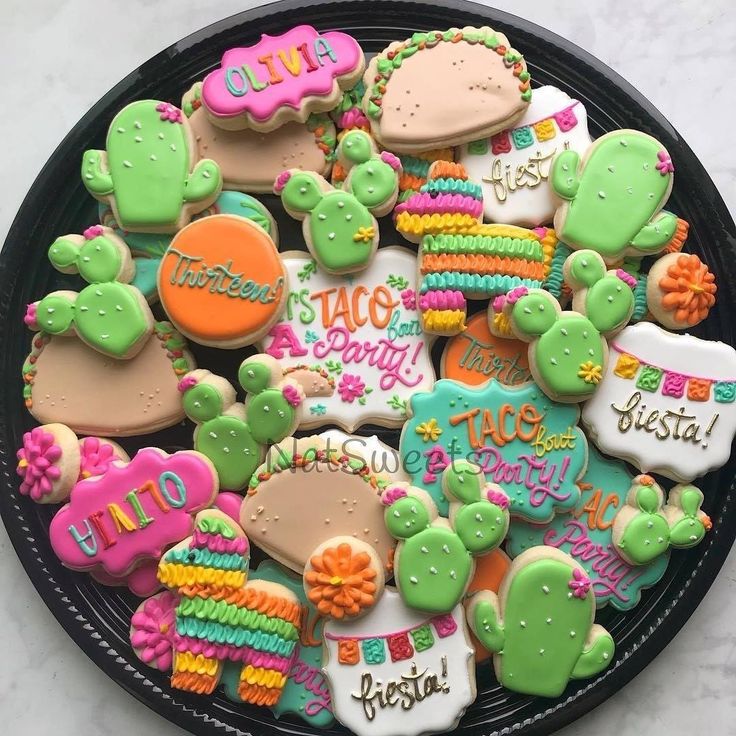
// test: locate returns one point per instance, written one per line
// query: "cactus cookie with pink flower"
(540, 626)
(149, 173)
(232, 435)
(339, 225)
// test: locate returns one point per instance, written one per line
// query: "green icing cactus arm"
(55, 313)
(656, 234)
(532, 311)
(688, 523)
(300, 191)
(483, 619)
(596, 655)
(96, 178)
(204, 182)
(563, 175)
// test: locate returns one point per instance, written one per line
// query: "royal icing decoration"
(383, 460)
(487, 79)
(614, 196)
(513, 166)
(645, 528)
(396, 671)
(363, 332)
(282, 78)
(232, 435)
(528, 444)
(303, 494)
(585, 535)
(667, 402)
(132, 512)
(567, 350)
(540, 626)
(149, 173)
(152, 630)
(339, 225)
(476, 355)
(434, 562)
(109, 315)
(222, 282)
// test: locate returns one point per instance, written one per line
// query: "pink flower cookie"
(152, 630)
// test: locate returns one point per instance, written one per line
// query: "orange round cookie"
(222, 283)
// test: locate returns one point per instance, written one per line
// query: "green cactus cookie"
(232, 435)
(540, 626)
(109, 315)
(434, 559)
(567, 350)
(615, 196)
(646, 528)
(339, 227)
(149, 173)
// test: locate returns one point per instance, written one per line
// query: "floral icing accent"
(664, 163)
(688, 290)
(29, 319)
(409, 299)
(292, 395)
(94, 231)
(392, 495)
(153, 628)
(351, 387)
(95, 456)
(169, 112)
(580, 583)
(429, 430)
(186, 383)
(37, 463)
(590, 372)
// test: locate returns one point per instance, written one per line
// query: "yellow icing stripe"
(197, 664)
(441, 320)
(174, 575)
(502, 325)
(260, 676)
(549, 245)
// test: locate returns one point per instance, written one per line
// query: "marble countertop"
(59, 58)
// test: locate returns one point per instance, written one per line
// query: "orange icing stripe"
(482, 265)
(679, 238)
(258, 695)
(194, 683)
(448, 170)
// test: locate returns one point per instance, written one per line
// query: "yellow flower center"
(23, 463)
(163, 628)
(335, 580)
(695, 288)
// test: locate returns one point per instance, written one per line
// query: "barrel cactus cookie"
(614, 195)
(232, 435)
(568, 350)
(109, 314)
(646, 527)
(434, 559)
(540, 626)
(149, 172)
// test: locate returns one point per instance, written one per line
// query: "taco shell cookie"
(408, 81)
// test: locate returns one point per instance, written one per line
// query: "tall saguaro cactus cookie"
(149, 173)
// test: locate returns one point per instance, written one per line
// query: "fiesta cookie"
(405, 83)
(282, 78)
(384, 461)
(149, 173)
(222, 282)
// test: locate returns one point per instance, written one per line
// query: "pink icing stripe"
(393, 161)
(281, 180)
(442, 300)
(216, 543)
(392, 495)
(627, 278)
(515, 294)
(443, 204)
(246, 655)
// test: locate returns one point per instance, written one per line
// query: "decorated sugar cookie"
(568, 350)
(645, 528)
(141, 580)
(133, 511)
(109, 315)
(680, 290)
(405, 83)
(522, 440)
(281, 78)
(220, 617)
(513, 166)
(540, 626)
(398, 672)
(585, 535)
(303, 495)
(68, 382)
(52, 460)
(149, 173)
(232, 435)
(667, 403)
(384, 461)
(614, 195)
(362, 332)
(476, 355)
(222, 282)
(434, 561)
(339, 226)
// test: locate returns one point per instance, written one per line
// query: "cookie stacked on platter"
(510, 511)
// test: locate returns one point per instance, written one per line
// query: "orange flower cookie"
(681, 290)
(344, 578)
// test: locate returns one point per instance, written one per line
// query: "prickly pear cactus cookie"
(339, 225)
(513, 166)
(522, 440)
(424, 662)
(361, 332)
(303, 494)
(667, 403)
(407, 81)
(434, 561)
(645, 528)
(567, 350)
(232, 435)
(281, 79)
(222, 282)
(540, 626)
(109, 315)
(585, 535)
(614, 195)
(149, 173)
(68, 382)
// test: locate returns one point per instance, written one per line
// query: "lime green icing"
(492, 245)
(216, 525)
